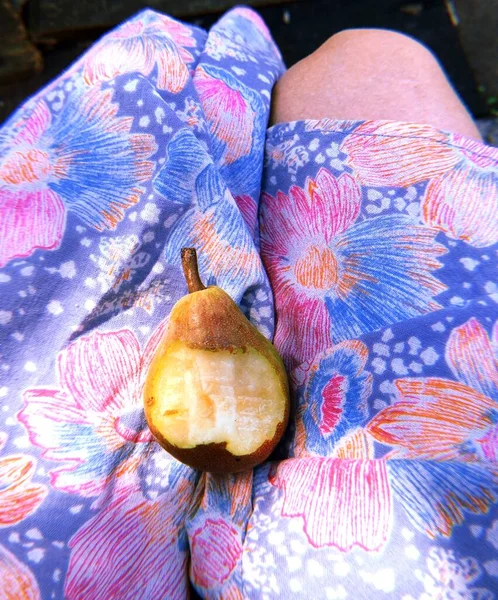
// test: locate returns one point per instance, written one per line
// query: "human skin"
(371, 74)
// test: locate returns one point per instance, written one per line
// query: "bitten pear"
(216, 395)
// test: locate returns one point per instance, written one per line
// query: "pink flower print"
(342, 496)
(93, 423)
(218, 518)
(343, 502)
(461, 197)
(34, 220)
(440, 419)
(335, 278)
(333, 401)
(30, 221)
(138, 46)
(132, 548)
(216, 549)
(464, 202)
(19, 496)
(16, 579)
(296, 232)
(443, 435)
(92, 168)
(249, 210)
(229, 113)
(398, 154)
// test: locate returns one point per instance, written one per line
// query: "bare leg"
(371, 74)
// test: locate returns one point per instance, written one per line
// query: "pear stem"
(191, 270)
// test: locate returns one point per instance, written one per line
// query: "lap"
(368, 252)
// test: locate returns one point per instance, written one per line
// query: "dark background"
(42, 37)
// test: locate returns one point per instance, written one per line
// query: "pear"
(216, 395)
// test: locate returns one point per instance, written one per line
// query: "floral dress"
(366, 250)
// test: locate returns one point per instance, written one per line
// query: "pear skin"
(216, 395)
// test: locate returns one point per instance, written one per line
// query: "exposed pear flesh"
(216, 395)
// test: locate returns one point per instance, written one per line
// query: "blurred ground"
(51, 34)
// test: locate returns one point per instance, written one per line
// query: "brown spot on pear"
(216, 395)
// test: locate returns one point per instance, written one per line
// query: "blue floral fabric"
(366, 250)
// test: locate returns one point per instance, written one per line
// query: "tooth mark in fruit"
(216, 395)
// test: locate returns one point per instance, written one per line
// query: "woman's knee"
(371, 74)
